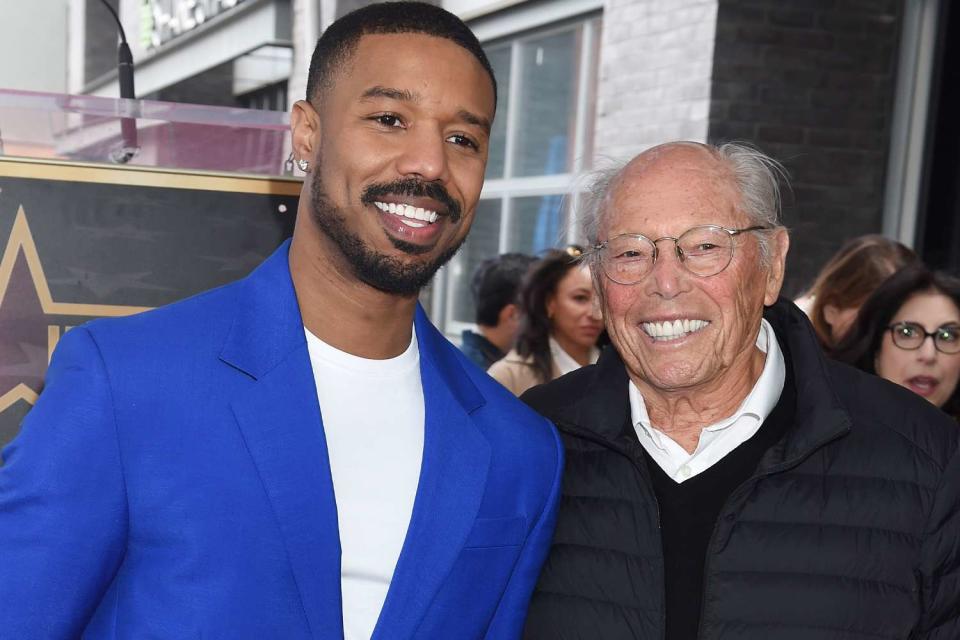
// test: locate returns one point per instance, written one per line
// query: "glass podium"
(143, 133)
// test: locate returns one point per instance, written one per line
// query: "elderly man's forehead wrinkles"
(636, 192)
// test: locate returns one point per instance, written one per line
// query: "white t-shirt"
(373, 415)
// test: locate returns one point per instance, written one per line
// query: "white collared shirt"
(564, 362)
(718, 439)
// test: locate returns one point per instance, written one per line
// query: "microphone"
(125, 71)
(128, 126)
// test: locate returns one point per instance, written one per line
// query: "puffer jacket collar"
(605, 407)
(820, 416)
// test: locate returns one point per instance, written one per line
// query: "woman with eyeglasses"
(908, 332)
(560, 323)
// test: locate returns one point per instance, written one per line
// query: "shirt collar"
(564, 362)
(758, 404)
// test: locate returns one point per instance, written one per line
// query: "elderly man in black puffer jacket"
(723, 479)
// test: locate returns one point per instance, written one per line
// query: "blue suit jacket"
(172, 481)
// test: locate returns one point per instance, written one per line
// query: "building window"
(542, 138)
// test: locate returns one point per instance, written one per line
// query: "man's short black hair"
(339, 41)
(495, 283)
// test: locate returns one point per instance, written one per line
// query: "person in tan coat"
(560, 327)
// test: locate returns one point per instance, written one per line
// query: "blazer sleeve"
(940, 560)
(63, 508)
(511, 613)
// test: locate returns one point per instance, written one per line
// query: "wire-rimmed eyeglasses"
(704, 251)
(911, 336)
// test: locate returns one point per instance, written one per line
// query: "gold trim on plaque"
(133, 176)
(19, 392)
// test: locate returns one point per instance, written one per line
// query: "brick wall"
(656, 60)
(811, 83)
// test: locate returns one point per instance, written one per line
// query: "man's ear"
(779, 245)
(598, 279)
(304, 130)
(509, 313)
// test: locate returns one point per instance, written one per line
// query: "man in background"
(299, 454)
(494, 287)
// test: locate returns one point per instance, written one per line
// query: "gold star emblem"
(28, 332)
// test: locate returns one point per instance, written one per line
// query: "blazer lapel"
(456, 457)
(279, 418)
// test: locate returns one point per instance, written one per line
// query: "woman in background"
(908, 332)
(560, 325)
(846, 280)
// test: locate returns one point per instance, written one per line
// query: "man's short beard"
(382, 272)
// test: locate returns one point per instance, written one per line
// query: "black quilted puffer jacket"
(848, 530)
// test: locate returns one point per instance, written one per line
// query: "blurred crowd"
(873, 305)
(537, 319)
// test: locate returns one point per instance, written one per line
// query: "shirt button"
(685, 471)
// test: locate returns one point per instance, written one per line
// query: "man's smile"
(411, 200)
(663, 331)
(409, 214)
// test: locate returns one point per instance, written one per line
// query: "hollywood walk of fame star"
(27, 315)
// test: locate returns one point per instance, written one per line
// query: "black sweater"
(689, 510)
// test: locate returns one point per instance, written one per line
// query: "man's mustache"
(412, 187)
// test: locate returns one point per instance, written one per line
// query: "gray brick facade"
(811, 83)
(656, 62)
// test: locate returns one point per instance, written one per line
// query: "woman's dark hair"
(852, 274)
(539, 285)
(862, 344)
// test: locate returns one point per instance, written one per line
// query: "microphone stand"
(128, 126)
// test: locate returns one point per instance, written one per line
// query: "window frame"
(509, 187)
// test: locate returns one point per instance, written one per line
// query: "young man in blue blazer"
(299, 454)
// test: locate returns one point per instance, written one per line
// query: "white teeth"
(407, 211)
(416, 224)
(673, 330)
